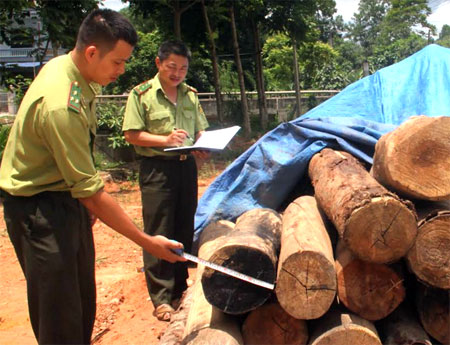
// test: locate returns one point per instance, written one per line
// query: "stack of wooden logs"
(362, 261)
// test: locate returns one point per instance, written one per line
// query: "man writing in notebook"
(165, 112)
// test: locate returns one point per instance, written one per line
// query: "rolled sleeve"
(68, 137)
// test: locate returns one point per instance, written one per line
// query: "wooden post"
(429, 257)
(414, 159)
(338, 328)
(368, 289)
(433, 307)
(306, 281)
(250, 248)
(206, 324)
(374, 223)
(270, 324)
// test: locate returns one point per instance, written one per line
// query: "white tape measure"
(224, 270)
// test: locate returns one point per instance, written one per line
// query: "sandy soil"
(124, 312)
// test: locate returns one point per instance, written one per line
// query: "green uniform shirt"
(148, 109)
(50, 144)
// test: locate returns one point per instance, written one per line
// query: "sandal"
(163, 312)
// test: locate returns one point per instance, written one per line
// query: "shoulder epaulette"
(193, 89)
(143, 87)
(74, 101)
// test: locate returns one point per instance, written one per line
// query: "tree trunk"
(206, 324)
(429, 257)
(414, 159)
(262, 103)
(298, 98)
(244, 105)
(433, 307)
(177, 20)
(270, 324)
(215, 64)
(306, 282)
(370, 290)
(403, 328)
(374, 223)
(339, 328)
(251, 248)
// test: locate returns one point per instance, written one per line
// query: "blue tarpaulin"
(352, 121)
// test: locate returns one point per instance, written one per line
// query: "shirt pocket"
(160, 122)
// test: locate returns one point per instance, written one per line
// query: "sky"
(346, 8)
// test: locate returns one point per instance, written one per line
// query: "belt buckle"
(183, 157)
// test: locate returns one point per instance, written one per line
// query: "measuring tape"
(224, 270)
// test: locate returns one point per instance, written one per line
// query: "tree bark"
(414, 159)
(215, 63)
(370, 290)
(306, 282)
(402, 327)
(298, 98)
(429, 257)
(206, 324)
(433, 307)
(338, 328)
(250, 248)
(374, 223)
(270, 324)
(262, 102)
(237, 57)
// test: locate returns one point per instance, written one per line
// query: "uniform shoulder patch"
(143, 87)
(74, 101)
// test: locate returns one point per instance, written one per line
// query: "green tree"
(444, 36)
(297, 18)
(366, 25)
(141, 65)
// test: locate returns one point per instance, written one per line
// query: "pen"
(187, 136)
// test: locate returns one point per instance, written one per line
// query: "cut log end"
(414, 159)
(307, 279)
(233, 295)
(381, 231)
(270, 324)
(429, 257)
(370, 290)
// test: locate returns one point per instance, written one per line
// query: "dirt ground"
(124, 312)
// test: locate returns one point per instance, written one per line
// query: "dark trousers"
(169, 201)
(52, 237)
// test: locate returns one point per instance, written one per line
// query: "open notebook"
(215, 140)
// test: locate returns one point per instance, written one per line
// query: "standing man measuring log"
(51, 190)
(160, 113)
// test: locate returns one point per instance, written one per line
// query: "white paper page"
(217, 139)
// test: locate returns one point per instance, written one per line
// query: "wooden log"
(414, 159)
(250, 248)
(206, 324)
(368, 289)
(374, 223)
(306, 279)
(270, 325)
(338, 328)
(429, 257)
(402, 327)
(433, 307)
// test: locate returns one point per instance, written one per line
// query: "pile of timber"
(365, 260)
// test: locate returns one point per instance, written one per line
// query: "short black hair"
(103, 28)
(173, 47)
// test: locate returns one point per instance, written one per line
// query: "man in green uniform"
(51, 190)
(165, 112)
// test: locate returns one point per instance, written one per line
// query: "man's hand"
(161, 246)
(177, 137)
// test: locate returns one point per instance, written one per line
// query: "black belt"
(171, 158)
